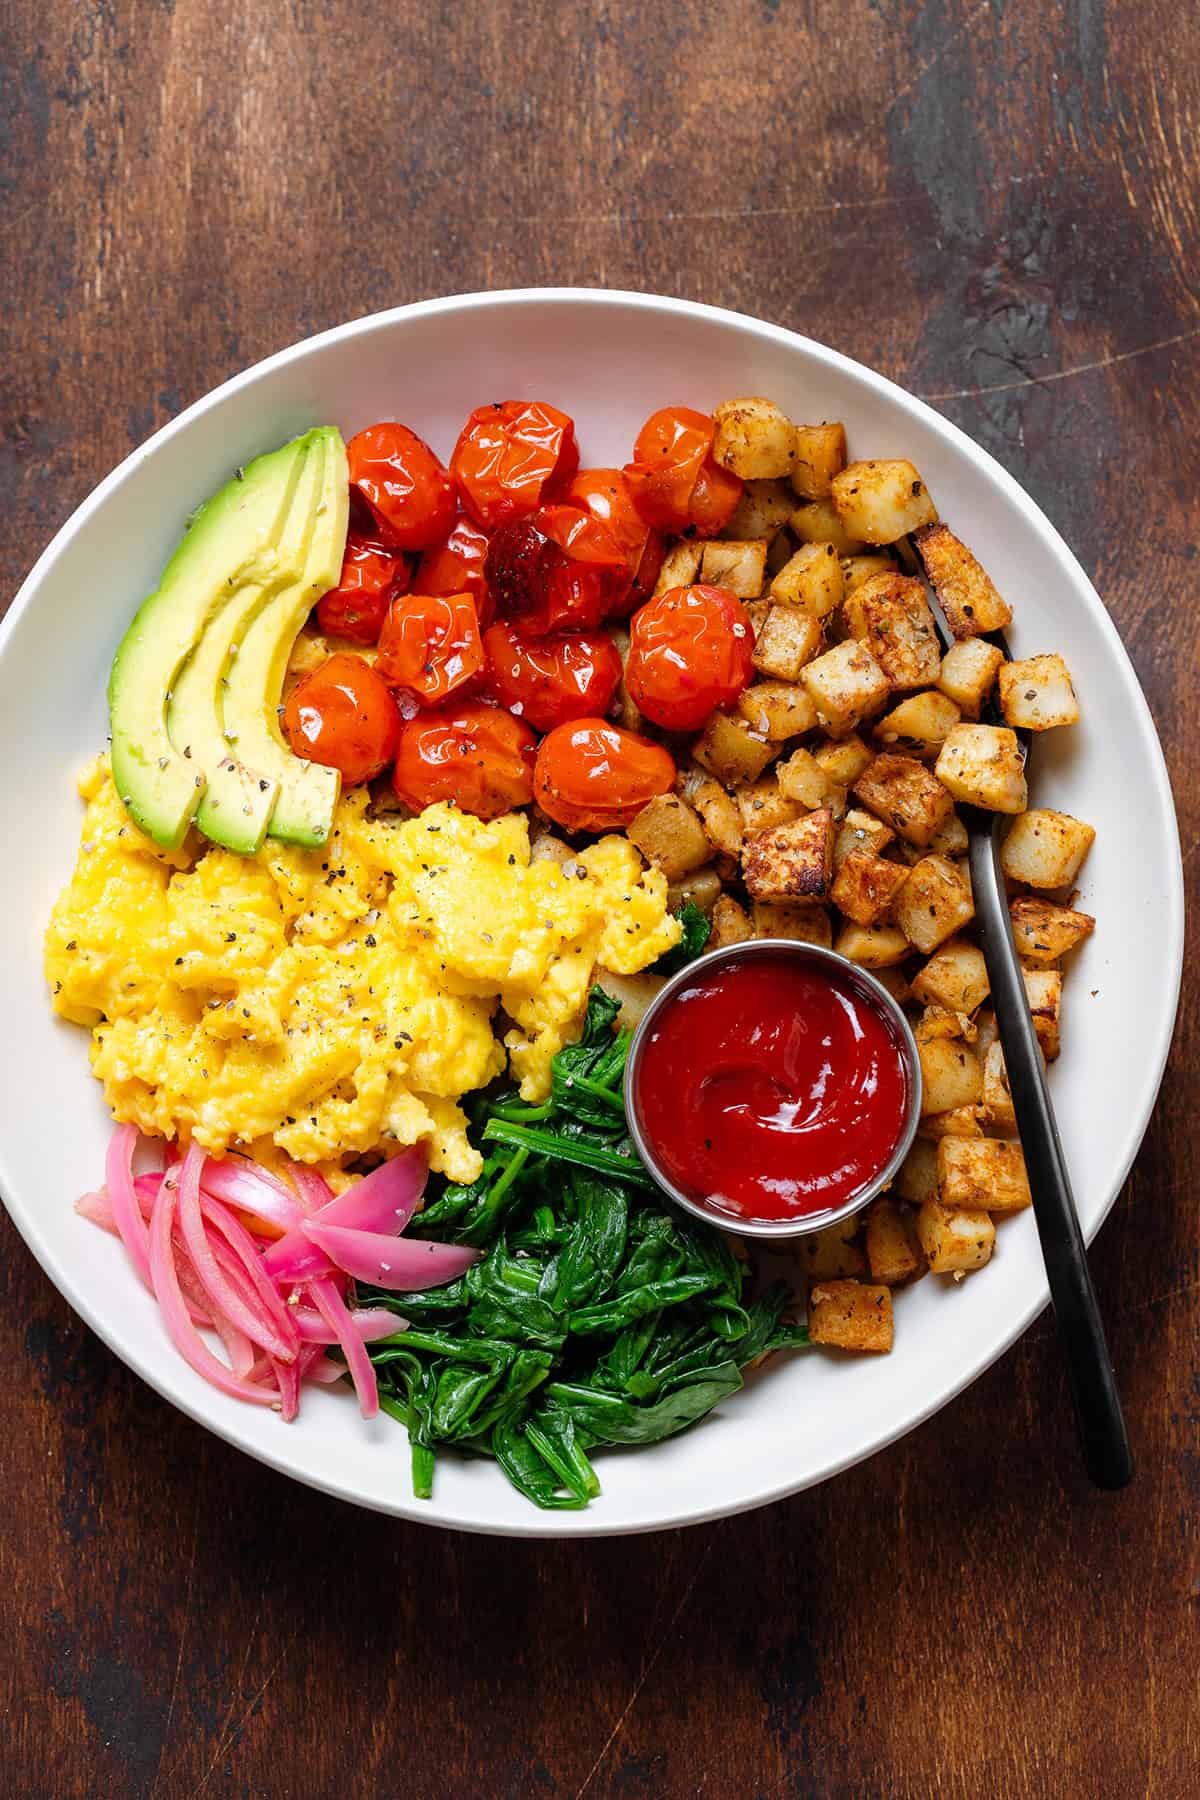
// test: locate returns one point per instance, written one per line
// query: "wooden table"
(997, 205)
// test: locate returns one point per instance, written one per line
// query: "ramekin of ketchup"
(773, 1087)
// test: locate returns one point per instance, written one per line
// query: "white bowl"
(608, 358)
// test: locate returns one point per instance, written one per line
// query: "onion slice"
(405, 1265)
(386, 1199)
(187, 1340)
(370, 1322)
(127, 1214)
(333, 1310)
(254, 1321)
(239, 1182)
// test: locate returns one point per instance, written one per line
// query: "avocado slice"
(237, 800)
(308, 792)
(230, 543)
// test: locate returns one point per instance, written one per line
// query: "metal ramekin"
(872, 990)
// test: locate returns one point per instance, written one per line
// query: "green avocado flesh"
(308, 792)
(274, 535)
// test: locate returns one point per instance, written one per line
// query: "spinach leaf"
(697, 929)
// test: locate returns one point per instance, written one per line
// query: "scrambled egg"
(327, 1003)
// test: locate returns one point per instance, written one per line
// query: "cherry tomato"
(570, 675)
(456, 567)
(476, 755)
(430, 644)
(371, 577)
(690, 650)
(605, 494)
(592, 776)
(342, 715)
(671, 458)
(559, 570)
(510, 457)
(410, 494)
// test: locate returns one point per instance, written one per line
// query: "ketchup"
(773, 1088)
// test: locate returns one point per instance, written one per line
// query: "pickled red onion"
(239, 1183)
(402, 1264)
(332, 1309)
(222, 1292)
(127, 1214)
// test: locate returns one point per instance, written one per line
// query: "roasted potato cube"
(848, 1315)
(896, 983)
(762, 509)
(879, 501)
(982, 765)
(960, 1121)
(702, 888)
(1044, 932)
(919, 725)
(806, 921)
(545, 847)
(968, 674)
(1045, 849)
(1043, 990)
(625, 712)
(669, 834)
(1037, 694)
(893, 1252)
(933, 903)
(857, 570)
(817, 522)
(951, 1074)
(833, 1254)
(779, 551)
(847, 686)
(965, 591)
(717, 809)
(820, 455)
(954, 1241)
(731, 751)
(804, 780)
(866, 885)
(754, 439)
(777, 709)
(730, 924)
(791, 862)
(907, 795)
(997, 1095)
(788, 639)
(737, 566)
(756, 612)
(810, 580)
(636, 993)
(898, 629)
(872, 946)
(950, 839)
(955, 977)
(860, 831)
(917, 1180)
(680, 566)
(764, 803)
(982, 1172)
(844, 759)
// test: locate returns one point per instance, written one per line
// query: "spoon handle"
(1097, 1404)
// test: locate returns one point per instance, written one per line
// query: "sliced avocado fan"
(308, 792)
(230, 544)
(237, 801)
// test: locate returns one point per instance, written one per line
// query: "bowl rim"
(779, 1231)
(589, 1523)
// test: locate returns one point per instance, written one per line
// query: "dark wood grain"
(996, 204)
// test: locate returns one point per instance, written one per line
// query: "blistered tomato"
(430, 644)
(605, 494)
(560, 570)
(511, 456)
(675, 484)
(690, 650)
(342, 715)
(569, 675)
(371, 578)
(409, 492)
(476, 755)
(456, 567)
(592, 776)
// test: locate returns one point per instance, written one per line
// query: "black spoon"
(1098, 1416)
